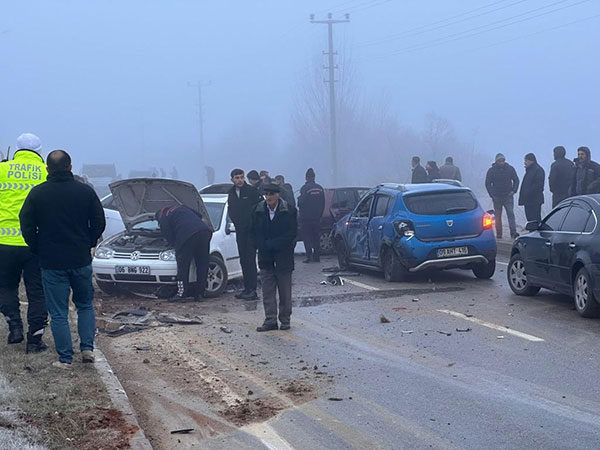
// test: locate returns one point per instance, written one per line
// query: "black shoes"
(250, 296)
(15, 333)
(35, 345)
(267, 327)
(176, 298)
(284, 326)
(240, 295)
(307, 260)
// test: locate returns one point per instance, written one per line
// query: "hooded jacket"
(501, 180)
(585, 173)
(532, 188)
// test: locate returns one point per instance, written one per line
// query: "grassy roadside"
(70, 407)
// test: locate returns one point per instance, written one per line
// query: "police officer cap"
(29, 141)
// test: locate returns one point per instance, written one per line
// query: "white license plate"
(135, 270)
(454, 251)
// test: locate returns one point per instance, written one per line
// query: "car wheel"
(109, 288)
(326, 243)
(485, 271)
(517, 277)
(216, 281)
(583, 293)
(342, 254)
(393, 269)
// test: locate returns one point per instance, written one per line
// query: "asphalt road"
(462, 364)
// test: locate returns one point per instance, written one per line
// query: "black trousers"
(247, 252)
(17, 262)
(558, 197)
(310, 229)
(196, 248)
(533, 213)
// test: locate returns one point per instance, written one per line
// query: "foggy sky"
(108, 80)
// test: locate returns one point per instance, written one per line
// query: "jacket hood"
(585, 150)
(138, 199)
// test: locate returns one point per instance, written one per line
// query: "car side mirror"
(532, 226)
(230, 228)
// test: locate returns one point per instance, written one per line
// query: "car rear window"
(440, 203)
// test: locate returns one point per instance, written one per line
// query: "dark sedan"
(562, 253)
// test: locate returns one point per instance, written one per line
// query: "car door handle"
(548, 244)
(572, 245)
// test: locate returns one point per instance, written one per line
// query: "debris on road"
(407, 331)
(132, 320)
(144, 348)
(463, 330)
(451, 364)
(335, 280)
(415, 300)
(331, 269)
(226, 330)
(182, 431)
(445, 332)
(500, 337)
(399, 308)
(335, 399)
(384, 319)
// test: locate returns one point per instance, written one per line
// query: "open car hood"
(138, 199)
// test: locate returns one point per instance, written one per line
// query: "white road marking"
(493, 326)
(361, 285)
(268, 436)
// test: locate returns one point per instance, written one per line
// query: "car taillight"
(488, 221)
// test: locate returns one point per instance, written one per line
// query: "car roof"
(422, 187)
(214, 198)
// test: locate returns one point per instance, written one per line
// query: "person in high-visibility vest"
(17, 177)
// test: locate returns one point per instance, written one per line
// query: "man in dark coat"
(561, 176)
(586, 172)
(274, 227)
(419, 174)
(242, 200)
(532, 189)
(502, 182)
(449, 171)
(185, 229)
(311, 204)
(287, 191)
(255, 181)
(61, 221)
(433, 172)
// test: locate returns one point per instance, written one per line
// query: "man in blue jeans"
(61, 220)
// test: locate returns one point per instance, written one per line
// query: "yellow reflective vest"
(17, 177)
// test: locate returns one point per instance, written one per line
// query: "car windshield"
(215, 212)
(148, 225)
(440, 203)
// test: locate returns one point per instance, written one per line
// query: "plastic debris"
(384, 319)
(463, 330)
(225, 330)
(500, 337)
(335, 399)
(182, 431)
(445, 332)
(399, 308)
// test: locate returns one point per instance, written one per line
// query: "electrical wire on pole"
(330, 22)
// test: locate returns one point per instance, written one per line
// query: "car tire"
(485, 271)
(109, 288)
(217, 277)
(342, 254)
(583, 295)
(393, 269)
(326, 243)
(517, 277)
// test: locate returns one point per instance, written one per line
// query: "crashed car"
(405, 228)
(140, 260)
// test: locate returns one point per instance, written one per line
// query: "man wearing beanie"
(502, 182)
(532, 189)
(561, 176)
(17, 177)
(311, 205)
(586, 172)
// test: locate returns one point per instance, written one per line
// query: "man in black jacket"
(561, 176)
(502, 182)
(419, 174)
(61, 221)
(586, 172)
(190, 236)
(242, 200)
(532, 189)
(287, 191)
(274, 227)
(311, 204)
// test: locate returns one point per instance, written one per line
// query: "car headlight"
(167, 255)
(103, 253)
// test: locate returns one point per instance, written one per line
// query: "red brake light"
(488, 221)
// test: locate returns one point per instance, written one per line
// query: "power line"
(373, 4)
(427, 28)
(465, 34)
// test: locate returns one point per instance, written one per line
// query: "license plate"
(450, 252)
(134, 270)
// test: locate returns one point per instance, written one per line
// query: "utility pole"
(330, 22)
(199, 85)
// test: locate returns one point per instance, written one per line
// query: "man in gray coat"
(449, 171)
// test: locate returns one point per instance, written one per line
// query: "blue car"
(405, 228)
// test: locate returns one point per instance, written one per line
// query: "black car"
(561, 253)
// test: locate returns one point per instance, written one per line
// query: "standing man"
(502, 182)
(242, 200)
(433, 171)
(287, 191)
(419, 174)
(26, 170)
(255, 181)
(190, 236)
(449, 171)
(62, 220)
(586, 172)
(532, 189)
(561, 176)
(274, 227)
(311, 204)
